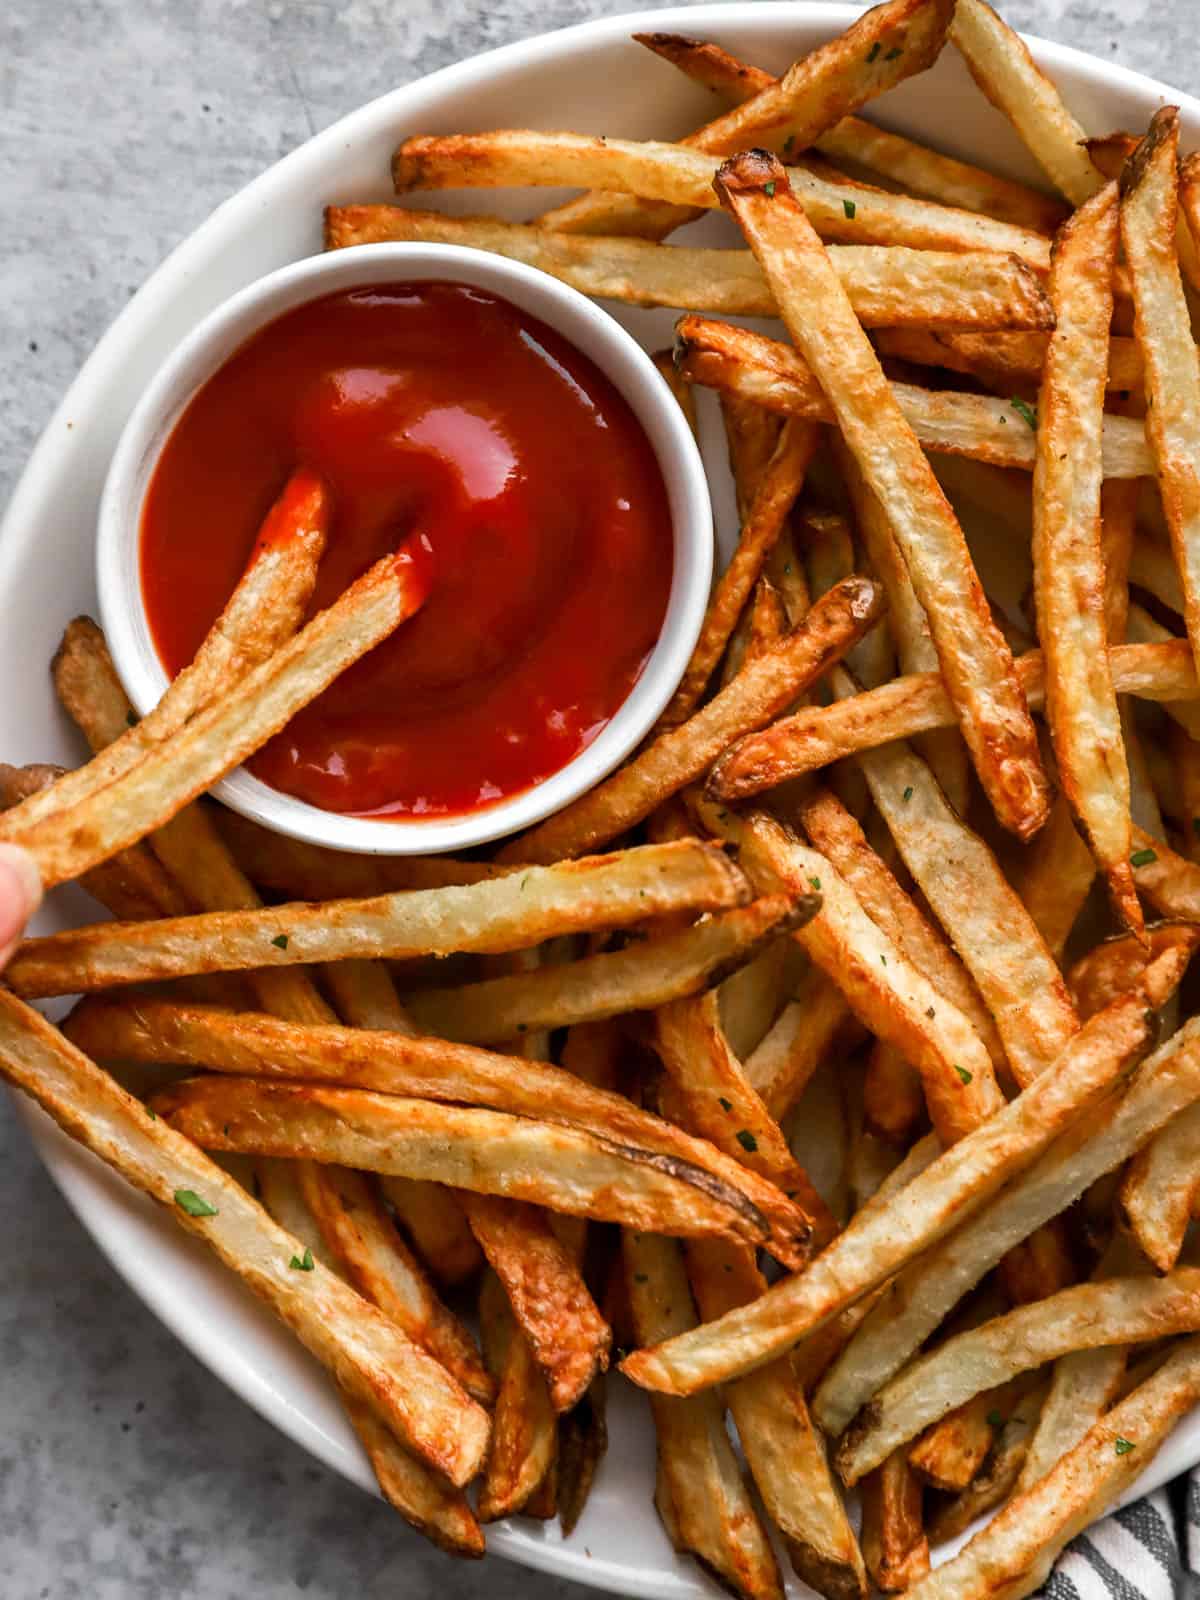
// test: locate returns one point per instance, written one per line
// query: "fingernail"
(20, 890)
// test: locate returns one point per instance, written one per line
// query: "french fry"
(994, 719)
(701, 1496)
(263, 613)
(997, 1478)
(751, 998)
(894, 1545)
(685, 395)
(1169, 881)
(368, 1355)
(781, 1065)
(1014, 1553)
(879, 49)
(912, 167)
(582, 1442)
(391, 1064)
(639, 977)
(1098, 1141)
(815, 736)
(672, 761)
(785, 1454)
(433, 1219)
(887, 993)
(1002, 361)
(362, 1241)
(1091, 1315)
(1081, 704)
(951, 1452)
(782, 480)
(1159, 1190)
(888, 286)
(419, 1495)
(524, 1434)
(569, 1338)
(751, 437)
(504, 914)
(1055, 878)
(1114, 965)
(1002, 66)
(980, 427)
(231, 727)
(1163, 329)
(884, 1238)
(489, 1152)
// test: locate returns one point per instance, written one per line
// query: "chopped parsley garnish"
(769, 189)
(994, 1419)
(1143, 858)
(1196, 825)
(747, 1140)
(816, 882)
(302, 1263)
(195, 1205)
(963, 1074)
(883, 958)
(1024, 410)
(1122, 1446)
(131, 719)
(725, 1105)
(280, 941)
(849, 207)
(641, 1277)
(894, 55)
(874, 50)
(908, 793)
(930, 1012)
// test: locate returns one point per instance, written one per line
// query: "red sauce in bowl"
(440, 411)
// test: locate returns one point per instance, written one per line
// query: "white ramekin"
(592, 331)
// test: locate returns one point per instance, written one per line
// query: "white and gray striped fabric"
(1147, 1551)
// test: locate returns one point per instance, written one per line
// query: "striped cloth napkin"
(1149, 1550)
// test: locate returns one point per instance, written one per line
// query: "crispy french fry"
(678, 756)
(488, 1152)
(1081, 704)
(785, 1454)
(231, 727)
(1056, 877)
(1169, 881)
(701, 1497)
(926, 1291)
(1160, 1188)
(884, 1238)
(815, 736)
(841, 211)
(951, 1452)
(1163, 329)
(1113, 966)
(1002, 66)
(894, 1545)
(1014, 1553)
(569, 1338)
(685, 395)
(366, 1352)
(888, 286)
(433, 1219)
(992, 714)
(524, 1434)
(751, 436)
(503, 914)
(782, 1064)
(997, 1478)
(781, 481)
(419, 1495)
(364, 1244)
(582, 1442)
(1116, 1311)
(984, 428)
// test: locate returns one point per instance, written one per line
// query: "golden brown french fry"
(841, 211)
(815, 736)
(894, 1545)
(391, 1064)
(366, 1352)
(878, 50)
(996, 431)
(893, 1096)
(889, 286)
(524, 1433)
(1091, 1315)
(569, 1338)
(781, 481)
(979, 674)
(1160, 1188)
(884, 1238)
(685, 395)
(912, 167)
(928, 1290)
(1169, 881)
(509, 913)
(263, 613)
(996, 1480)
(950, 1453)
(785, 1454)
(231, 727)
(582, 1442)
(1081, 704)
(1002, 361)
(364, 1244)
(1112, 966)
(433, 1219)
(1014, 1553)
(1055, 878)
(680, 755)
(701, 1496)
(887, 993)
(490, 1152)
(1002, 66)
(751, 436)
(1149, 204)
(422, 1498)
(780, 1067)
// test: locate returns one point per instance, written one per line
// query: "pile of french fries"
(822, 1062)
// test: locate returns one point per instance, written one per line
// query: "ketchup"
(440, 412)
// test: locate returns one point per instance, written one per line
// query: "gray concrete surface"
(127, 1472)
